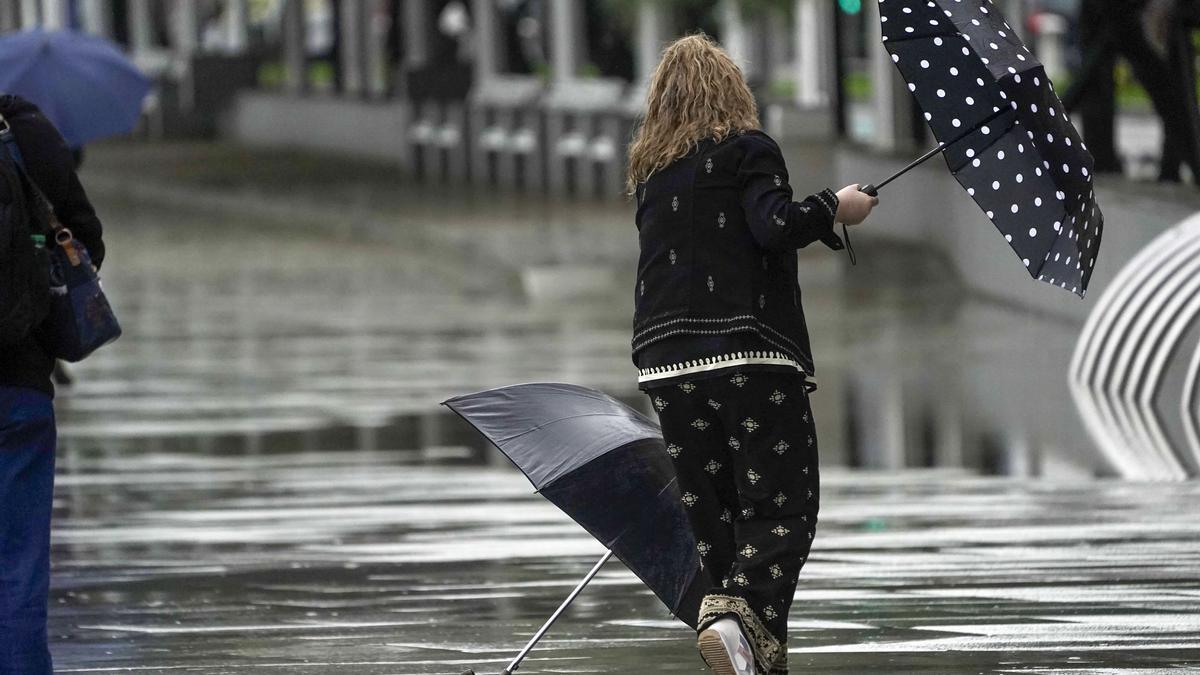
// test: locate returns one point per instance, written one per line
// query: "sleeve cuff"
(828, 199)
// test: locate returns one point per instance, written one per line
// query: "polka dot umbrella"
(1002, 130)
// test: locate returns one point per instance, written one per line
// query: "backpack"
(24, 259)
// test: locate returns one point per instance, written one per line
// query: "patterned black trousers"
(745, 450)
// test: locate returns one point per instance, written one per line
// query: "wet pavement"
(258, 478)
(377, 562)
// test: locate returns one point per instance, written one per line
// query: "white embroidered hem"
(712, 363)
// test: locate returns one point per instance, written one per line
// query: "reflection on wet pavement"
(257, 477)
(376, 562)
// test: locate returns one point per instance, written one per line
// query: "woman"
(721, 344)
(27, 429)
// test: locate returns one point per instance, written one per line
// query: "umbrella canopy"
(1007, 138)
(82, 83)
(606, 466)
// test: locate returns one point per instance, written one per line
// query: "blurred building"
(538, 94)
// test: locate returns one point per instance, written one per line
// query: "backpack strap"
(11, 149)
(12, 152)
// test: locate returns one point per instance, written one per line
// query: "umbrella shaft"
(940, 147)
(516, 663)
(916, 162)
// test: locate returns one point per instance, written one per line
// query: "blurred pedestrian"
(27, 427)
(721, 344)
(1154, 37)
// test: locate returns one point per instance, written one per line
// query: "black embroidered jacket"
(719, 233)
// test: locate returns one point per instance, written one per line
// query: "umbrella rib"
(927, 36)
(979, 125)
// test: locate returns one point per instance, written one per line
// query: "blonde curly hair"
(697, 92)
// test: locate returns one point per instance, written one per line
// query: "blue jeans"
(27, 442)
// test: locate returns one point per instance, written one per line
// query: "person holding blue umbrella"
(721, 343)
(28, 434)
(83, 84)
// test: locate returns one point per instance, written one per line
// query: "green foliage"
(755, 8)
(857, 86)
(320, 74)
(1130, 94)
(782, 88)
(543, 71)
(260, 10)
(270, 75)
(589, 70)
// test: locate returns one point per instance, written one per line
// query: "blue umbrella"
(82, 83)
(606, 466)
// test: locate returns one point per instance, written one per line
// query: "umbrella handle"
(869, 190)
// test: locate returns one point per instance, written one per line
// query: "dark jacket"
(719, 233)
(51, 165)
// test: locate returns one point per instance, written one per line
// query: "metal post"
(97, 17)
(351, 44)
(54, 14)
(31, 13)
(892, 102)
(375, 27)
(185, 38)
(651, 34)
(486, 67)
(557, 181)
(581, 165)
(778, 53)
(813, 47)
(417, 29)
(1018, 456)
(948, 423)
(453, 142)
(567, 37)
(1051, 44)
(487, 40)
(893, 426)
(417, 26)
(566, 30)
(185, 28)
(237, 20)
(612, 183)
(294, 53)
(141, 26)
(10, 18)
(737, 38)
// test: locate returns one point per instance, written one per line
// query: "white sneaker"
(725, 649)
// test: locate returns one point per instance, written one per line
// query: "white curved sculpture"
(1128, 346)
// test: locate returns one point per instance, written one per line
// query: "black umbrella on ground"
(606, 466)
(1003, 131)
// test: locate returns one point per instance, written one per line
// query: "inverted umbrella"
(606, 466)
(1003, 131)
(82, 83)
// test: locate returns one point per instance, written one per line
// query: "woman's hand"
(854, 206)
